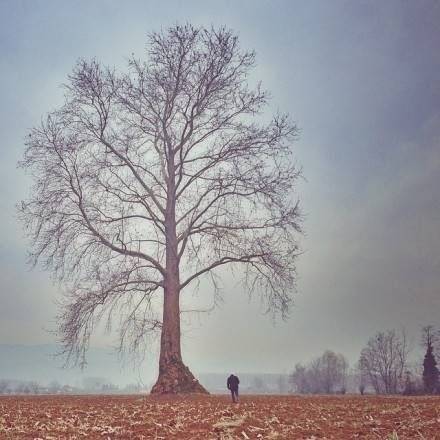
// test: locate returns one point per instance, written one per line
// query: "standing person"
(232, 385)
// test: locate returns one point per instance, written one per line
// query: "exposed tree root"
(176, 378)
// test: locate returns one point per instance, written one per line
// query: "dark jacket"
(232, 382)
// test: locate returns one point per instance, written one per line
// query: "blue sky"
(361, 79)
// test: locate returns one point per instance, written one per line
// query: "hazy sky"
(362, 80)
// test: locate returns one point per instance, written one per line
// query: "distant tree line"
(19, 387)
(90, 385)
(383, 368)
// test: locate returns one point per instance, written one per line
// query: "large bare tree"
(147, 180)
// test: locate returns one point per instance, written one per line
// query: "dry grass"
(214, 417)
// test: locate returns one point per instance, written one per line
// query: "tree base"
(176, 378)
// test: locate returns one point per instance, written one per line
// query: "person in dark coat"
(232, 385)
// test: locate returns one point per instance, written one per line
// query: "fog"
(360, 79)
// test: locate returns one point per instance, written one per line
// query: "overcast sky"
(362, 80)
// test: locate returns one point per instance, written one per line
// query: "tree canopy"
(146, 180)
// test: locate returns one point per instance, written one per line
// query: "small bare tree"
(334, 372)
(359, 377)
(146, 181)
(384, 361)
(299, 380)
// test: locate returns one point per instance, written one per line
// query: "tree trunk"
(174, 376)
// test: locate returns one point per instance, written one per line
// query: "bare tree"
(333, 372)
(326, 374)
(148, 180)
(359, 377)
(384, 361)
(299, 379)
(314, 378)
(34, 387)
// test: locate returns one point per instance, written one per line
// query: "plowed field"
(214, 417)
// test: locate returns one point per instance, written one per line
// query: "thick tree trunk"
(174, 376)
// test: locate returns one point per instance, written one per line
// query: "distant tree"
(430, 370)
(314, 376)
(146, 181)
(133, 388)
(384, 360)
(34, 387)
(109, 387)
(333, 372)
(92, 383)
(360, 379)
(299, 379)
(326, 374)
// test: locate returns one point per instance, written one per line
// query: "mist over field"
(361, 81)
(219, 220)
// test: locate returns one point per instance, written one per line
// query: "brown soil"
(215, 417)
